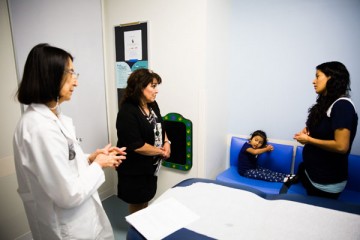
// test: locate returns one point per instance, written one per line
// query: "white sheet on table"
(228, 213)
(159, 220)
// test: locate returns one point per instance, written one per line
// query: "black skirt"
(136, 189)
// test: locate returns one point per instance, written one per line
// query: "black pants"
(310, 189)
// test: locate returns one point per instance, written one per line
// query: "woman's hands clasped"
(109, 156)
(302, 136)
(166, 151)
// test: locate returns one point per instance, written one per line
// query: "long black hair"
(337, 86)
(43, 74)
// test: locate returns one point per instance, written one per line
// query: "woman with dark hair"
(57, 182)
(329, 133)
(141, 130)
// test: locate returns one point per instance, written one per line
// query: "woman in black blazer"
(141, 130)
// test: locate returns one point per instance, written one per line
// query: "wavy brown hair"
(137, 81)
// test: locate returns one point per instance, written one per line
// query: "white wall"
(276, 46)
(13, 222)
(217, 80)
(65, 24)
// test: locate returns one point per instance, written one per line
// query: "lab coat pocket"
(81, 222)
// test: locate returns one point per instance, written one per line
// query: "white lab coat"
(59, 195)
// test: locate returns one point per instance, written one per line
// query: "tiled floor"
(116, 210)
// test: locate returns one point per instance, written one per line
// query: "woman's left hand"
(108, 149)
(117, 151)
(167, 150)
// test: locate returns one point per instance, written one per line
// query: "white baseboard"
(26, 236)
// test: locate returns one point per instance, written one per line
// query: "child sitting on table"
(247, 160)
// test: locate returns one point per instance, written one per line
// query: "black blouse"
(133, 131)
(327, 167)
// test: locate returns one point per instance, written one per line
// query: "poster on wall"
(133, 45)
(131, 52)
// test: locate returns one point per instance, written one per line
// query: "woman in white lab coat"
(57, 182)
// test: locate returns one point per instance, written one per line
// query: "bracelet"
(167, 141)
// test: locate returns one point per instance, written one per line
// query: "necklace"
(151, 118)
(144, 113)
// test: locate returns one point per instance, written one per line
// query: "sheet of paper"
(133, 45)
(161, 219)
(122, 73)
(227, 212)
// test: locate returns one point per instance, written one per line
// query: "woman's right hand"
(109, 160)
(305, 131)
(302, 136)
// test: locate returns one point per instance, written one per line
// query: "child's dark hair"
(260, 133)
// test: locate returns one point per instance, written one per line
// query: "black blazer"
(133, 131)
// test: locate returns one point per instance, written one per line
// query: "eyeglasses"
(73, 73)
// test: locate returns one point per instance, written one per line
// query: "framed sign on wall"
(131, 46)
